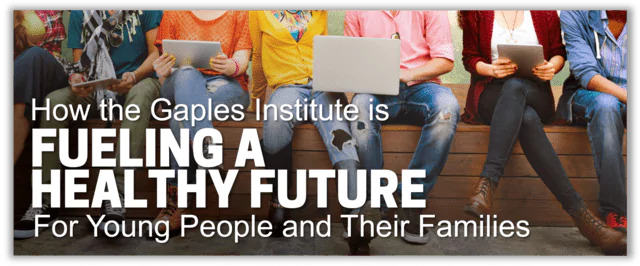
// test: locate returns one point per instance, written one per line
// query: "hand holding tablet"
(162, 66)
(503, 67)
(222, 64)
(545, 71)
(525, 57)
(82, 88)
(194, 53)
(127, 82)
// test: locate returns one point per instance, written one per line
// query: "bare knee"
(341, 139)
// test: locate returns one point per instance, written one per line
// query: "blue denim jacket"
(580, 29)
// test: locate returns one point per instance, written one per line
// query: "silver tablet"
(526, 56)
(194, 53)
(99, 83)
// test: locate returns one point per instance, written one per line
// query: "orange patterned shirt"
(231, 30)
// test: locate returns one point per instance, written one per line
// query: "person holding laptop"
(282, 59)
(128, 52)
(223, 83)
(426, 53)
(595, 95)
(516, 108)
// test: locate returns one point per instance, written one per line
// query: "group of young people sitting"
(279, 44)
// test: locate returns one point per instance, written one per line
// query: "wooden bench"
(521, 195)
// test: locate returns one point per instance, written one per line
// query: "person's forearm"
(242, 57)
(77, 54)
(601, 84)
(146, 69)
(558, 63)
(432, 69)
(259, 84)
(484, 69)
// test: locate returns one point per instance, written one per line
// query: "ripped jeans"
(427, 104)
(188, 86)
(277, 134)
(336, 135)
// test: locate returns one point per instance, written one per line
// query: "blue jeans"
(605, 117)
(277, 134)
(188, 86)
(427, 104)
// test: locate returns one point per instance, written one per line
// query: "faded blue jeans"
(189, 86)
(427, 104)
(605, 117)
(277, 134)
(336, 135)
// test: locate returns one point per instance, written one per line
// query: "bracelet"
(237, 67)
(135, 80)
(71, 76)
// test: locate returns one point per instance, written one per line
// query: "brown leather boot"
(482, 199)
(171, 215)
(611, 242)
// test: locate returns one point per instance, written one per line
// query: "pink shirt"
(423, 34)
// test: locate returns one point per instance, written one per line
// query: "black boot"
(280, 160)
(358, 241)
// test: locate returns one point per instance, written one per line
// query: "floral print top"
(295, 21)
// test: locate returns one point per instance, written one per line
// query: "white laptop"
(354, 64)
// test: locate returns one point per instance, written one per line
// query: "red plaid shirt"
(55, 34)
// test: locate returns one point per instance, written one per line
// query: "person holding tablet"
(127, 52)
(426, 53)
(282, 59)
(595, 95)
(516, 107)
(223, 83)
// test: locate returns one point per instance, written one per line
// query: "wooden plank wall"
(521, 195)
